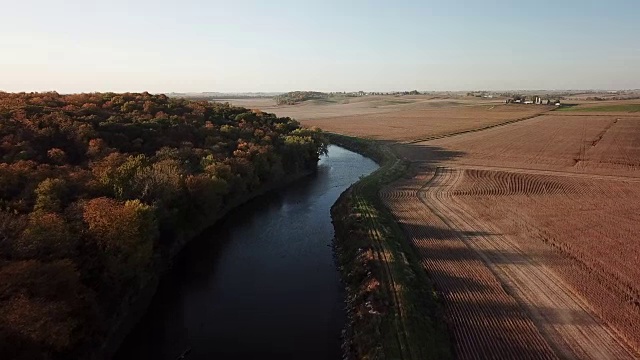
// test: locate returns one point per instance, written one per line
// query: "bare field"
(486, 321)
(419, 124)
(584, 230)
(355, 106)
(583, 144)
(520, 278)
(535, 223)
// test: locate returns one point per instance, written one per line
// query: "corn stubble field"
(527, 220)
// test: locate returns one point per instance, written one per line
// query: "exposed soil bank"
(393, 311)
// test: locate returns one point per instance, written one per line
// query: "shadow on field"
(455, 284)
(494, 330)
(440, 233)
(461, 251)
(454, 250)
(550, 315)
(489, 323)
(426, 154)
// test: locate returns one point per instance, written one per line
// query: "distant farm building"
(537, 100)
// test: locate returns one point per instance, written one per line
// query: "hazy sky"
(236, 45)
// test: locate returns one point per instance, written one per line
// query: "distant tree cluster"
(295, 97)
(220, 96)
(94, 190)
(598, 98)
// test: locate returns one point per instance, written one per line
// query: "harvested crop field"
(485, 320)
(584, 144)
(425, 123)
(527, 221)
(518, 277)
(582, 229)
(533, 225)
(400, 118)
(336, 107)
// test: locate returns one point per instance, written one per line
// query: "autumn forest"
(98, 191)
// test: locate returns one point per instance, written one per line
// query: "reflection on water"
(260, 284)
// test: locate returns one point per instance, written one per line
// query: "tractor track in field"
(561, 313)
(483, 128)
(532, 171)
(526, 237)
(552, 319)
(485, 320)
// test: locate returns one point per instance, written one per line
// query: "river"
(260, 284)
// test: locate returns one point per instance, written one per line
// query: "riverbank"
(135, 308)
(392, 308)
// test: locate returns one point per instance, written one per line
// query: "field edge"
(392, 308)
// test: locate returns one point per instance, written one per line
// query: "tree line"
(296, 97)
(96, 188)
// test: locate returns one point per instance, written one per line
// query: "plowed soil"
(403, 118)
(356, 106)
(608, 145)
(485, 319)
(408, 125)
(584, 230)
(534, 226)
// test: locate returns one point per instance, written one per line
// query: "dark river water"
(261, 284)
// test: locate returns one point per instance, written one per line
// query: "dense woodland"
(94, 190)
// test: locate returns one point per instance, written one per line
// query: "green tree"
(47, 236)
(51, 195)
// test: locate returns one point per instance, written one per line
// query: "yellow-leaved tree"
(125, 232)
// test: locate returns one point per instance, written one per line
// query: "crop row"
(486, 321)
(588, 225)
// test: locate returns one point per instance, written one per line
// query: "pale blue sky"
(237, 45)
